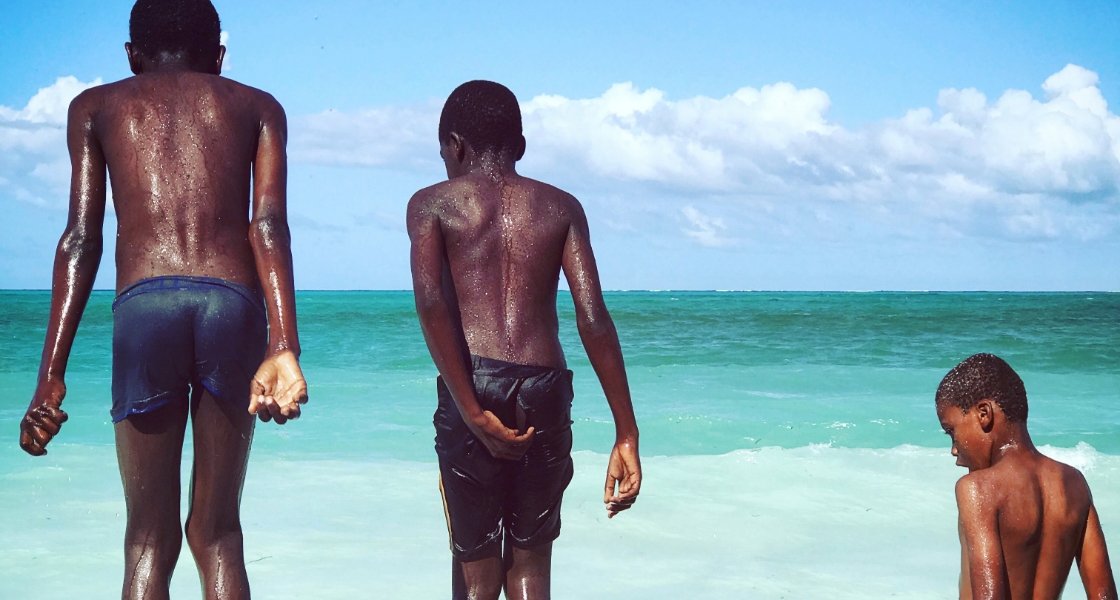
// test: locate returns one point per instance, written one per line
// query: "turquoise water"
(789, 439)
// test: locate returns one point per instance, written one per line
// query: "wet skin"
(190, 155)
(1024, 518)
(488, 247)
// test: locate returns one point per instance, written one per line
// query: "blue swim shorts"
(176, 335)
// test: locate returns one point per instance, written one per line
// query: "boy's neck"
(1011, 439)
(167, 62)
(493, 165)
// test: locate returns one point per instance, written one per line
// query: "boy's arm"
(980, 542)
(444, 337)
(75, 268)
(964, 582)
(600, 339)
(278, 387)
(1093, 563)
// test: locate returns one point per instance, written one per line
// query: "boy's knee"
(202, 535)
(481, 580)
(163, 538)
(484, 590)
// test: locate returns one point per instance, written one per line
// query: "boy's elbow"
(594, 323)
(428, 301)
(80, 242)
(269, 232)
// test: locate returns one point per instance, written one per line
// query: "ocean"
(789, 442)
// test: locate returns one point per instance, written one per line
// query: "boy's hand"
(502, 442)
(278, 389)
(625, 471)
(43, 419)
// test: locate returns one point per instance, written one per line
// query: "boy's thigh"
(473, 503)
(149, 452)
(536, 489)
(222, 434)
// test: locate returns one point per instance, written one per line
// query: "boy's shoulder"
(988, 486)
(118, 93)
(978, 486)
(435, 196)
(443, 192)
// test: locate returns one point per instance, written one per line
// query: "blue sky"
(812, 145)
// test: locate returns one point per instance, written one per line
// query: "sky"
(801, 145)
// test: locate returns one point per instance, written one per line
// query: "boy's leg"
(476, 580)
(222, 436)
(530, 574)
(534, 519)
(149, 452)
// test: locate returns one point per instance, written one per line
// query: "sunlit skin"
(198, 169)
(488, 246)
(1024, 518)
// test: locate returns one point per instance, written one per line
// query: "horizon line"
(698, 290)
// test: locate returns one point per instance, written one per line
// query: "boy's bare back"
(1040, 510)
(506, 240)
(1024, 517)
(180, 148)
(488, 246)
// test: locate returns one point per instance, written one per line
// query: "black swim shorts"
(488, 501)
(177, 334)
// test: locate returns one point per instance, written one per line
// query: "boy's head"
(486, 116)
(186, 30)
(973, 398)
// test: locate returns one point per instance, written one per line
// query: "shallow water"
(790, 448)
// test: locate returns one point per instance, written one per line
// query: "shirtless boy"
(205, 295)
(487, 249)
(1024, 518)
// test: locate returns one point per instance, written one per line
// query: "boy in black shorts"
(487, 249)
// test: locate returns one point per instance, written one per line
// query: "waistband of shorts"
(179, 283)
(492, 367)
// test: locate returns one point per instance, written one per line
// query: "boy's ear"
(221, 57)
(520, 150)
(458, 147)
(985, 413)
(133, 58)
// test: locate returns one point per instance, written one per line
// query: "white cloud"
(1018, 166)
(50, 104)
(706, 230)
(700, 144)
(767, 160)
(34, 166)
(382, 137)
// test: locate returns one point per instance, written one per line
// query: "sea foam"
(810, 522)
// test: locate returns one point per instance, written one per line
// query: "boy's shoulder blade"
(1071, 478)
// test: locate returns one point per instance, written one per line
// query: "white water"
(812, 522)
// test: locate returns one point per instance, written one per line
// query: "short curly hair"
(190, 27)
(984, 377)
(485, 113)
